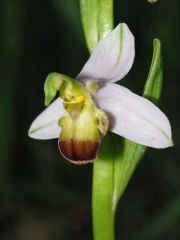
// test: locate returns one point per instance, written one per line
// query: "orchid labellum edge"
(92, 103)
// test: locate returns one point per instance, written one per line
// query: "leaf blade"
(127, 161)
(97, 20)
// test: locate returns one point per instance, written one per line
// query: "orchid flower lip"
(130, 115)
(72, 151)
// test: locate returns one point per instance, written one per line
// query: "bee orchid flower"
(92, 104)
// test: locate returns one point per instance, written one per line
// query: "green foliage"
(127, 159)
(153, 87)
(97, 20)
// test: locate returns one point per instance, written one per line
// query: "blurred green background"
(42, 196)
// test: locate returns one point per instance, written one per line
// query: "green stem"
(103, 169)
(102, 193)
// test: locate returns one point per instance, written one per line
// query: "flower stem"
(102, 192)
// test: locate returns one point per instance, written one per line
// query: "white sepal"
(112, 58)
(134, 117)
(45, 126)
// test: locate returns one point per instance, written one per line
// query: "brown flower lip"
(77, 151)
